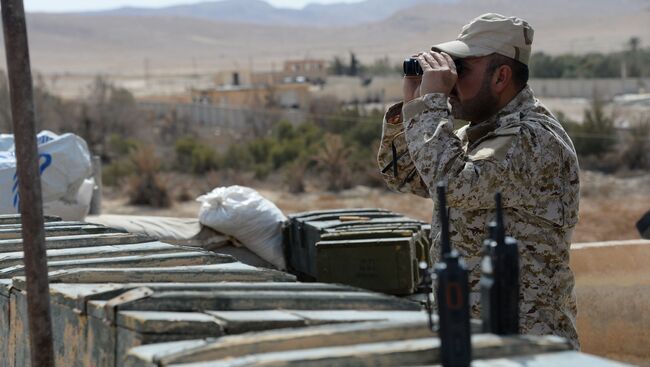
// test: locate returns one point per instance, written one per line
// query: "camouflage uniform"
(524, 153)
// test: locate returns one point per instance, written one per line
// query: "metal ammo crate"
(298, 254)
(376, 250)
(108, 297)
(387, 343)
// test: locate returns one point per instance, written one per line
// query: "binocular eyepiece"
(412, 67)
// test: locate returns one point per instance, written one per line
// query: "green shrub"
(636, 151)
(147, 187)
(119, 146)
(194, 157)
(597, 134)
(114, 173)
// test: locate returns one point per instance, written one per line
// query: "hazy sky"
(81, 5)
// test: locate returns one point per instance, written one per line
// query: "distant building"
(286, 95)
(312, 70)
(288, 88)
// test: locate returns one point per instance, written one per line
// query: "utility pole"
(31, 203)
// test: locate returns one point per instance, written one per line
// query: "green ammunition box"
(366, 241)
(388, 265)
(299, 251)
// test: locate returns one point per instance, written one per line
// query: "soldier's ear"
(501, 78)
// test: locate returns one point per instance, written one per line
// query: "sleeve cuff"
(394, 114)
(431, 101)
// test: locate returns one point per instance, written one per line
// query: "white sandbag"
(76, 209)
(64, 163)
(6, 141)
(244, 214)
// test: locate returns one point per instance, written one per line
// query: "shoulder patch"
(495, 148)
(509, 130)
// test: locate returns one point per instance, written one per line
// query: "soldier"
(512, 144)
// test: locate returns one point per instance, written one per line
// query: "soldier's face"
(472, 98)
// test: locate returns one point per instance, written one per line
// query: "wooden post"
(31, 201)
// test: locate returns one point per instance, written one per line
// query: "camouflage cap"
(492, 33)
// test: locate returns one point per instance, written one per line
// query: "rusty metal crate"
(16, 219)
(105, 320)
(397, 342)
(79, 250)
(14, 232)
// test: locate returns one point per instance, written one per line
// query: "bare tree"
(333, 159)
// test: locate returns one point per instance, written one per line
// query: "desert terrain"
(609, 205)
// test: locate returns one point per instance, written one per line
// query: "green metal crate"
(304, 231)
(388, 265)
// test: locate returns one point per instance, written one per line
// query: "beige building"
(288, 88)
(288, 95)
(310, 69)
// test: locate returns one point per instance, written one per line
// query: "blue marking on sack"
(43, 166)
(43, 139)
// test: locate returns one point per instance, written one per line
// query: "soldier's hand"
(439, 73)
(411, 85)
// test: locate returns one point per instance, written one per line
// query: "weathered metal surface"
(15, 218)
(115, 317)
(62, 242)
(144, 260)
(234, 272)
(15, 233)
(264, 300)
(47, 224)
(395, 345)
(95, 341)
(110, 302)
(283, 340)
(8, 259)
(76, 290)
(410, 352)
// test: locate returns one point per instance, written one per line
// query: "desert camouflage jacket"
(524, 153)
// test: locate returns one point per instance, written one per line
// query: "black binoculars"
(412, 67)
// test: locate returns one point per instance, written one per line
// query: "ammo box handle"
(353, 218)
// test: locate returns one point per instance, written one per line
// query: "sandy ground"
(609, 206)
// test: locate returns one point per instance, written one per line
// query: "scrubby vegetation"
(334, 148)
(633, 62)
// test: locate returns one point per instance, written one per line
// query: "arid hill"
(92, 43)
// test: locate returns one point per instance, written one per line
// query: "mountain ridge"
(124, 44)
(262, 13)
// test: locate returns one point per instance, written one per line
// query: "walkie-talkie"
(489, 296)
(452, 296)
(500, 279)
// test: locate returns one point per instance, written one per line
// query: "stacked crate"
(111, 291)
(120, 299)
(369, 248)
